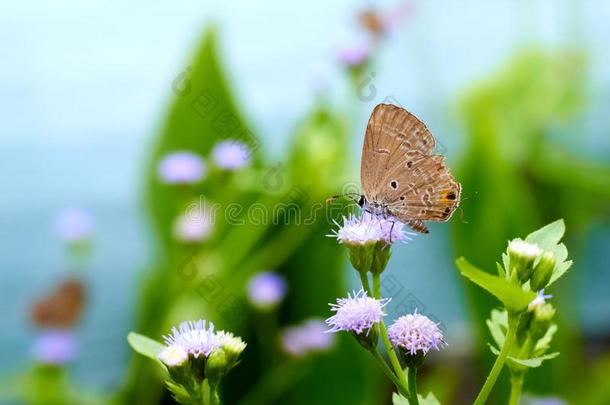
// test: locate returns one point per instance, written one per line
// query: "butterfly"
(62, 308)
(400, 176)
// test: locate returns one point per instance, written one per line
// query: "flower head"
(187, 229)
(539, 301)
(181, 168)
(194, 338)
(266, 289)
(309, 337)
(230, 343)
(74, 225)
(355, 55)
(173, 355)
(523, 249)
(416, 333)
(357, 313)
(231, 154)
(369, 228)
(55, 347)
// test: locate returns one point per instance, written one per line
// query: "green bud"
(522, 255)
(541, 322)
(216, 365)
(381, 256)
(543, 271)
(368, 339)
(232, 346)
(361, 256)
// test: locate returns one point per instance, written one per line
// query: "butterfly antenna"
(336, 197)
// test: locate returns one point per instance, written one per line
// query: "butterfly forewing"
(399, 172)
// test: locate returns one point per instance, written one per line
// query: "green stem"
(365, 283)
(412, 373)
(513, 322)
(403, 390)
(516, 385)
(383, 332)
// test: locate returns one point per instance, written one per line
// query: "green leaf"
(498, 324)
(144, 345)
(545, 342)
(179, 393)
(548, 238)
(534, 361)
(511, 295)
(501, 271)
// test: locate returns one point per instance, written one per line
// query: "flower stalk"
(513, 323)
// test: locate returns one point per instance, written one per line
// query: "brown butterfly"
(400, 176)
(62, 308)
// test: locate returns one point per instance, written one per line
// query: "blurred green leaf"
(145, 345)
(512, 296)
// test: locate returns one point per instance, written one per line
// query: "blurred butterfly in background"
(400, 176)
(62, 308)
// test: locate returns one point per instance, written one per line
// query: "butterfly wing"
(399, 171)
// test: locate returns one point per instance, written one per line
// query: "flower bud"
(361, 256)
(522, 255)
(232, 346)
(381, 256)
(543, 271)
(216, 365)
(541, 322)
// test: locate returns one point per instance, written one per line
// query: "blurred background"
(96, 95)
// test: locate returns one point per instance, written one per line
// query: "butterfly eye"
(361, 201)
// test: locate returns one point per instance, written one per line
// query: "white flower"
(369, 228)
(526, 250)
(187, 229)
(416, 332)
(173, 355)
(194, 338)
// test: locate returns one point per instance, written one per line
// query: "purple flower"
(357, 313)
(194, 337)
(188, 229)
(231, 154)
(55, 347)
(539, 301)
(369, 228)
(416, 332)
(309, 337)
(181, 168)
(267, 289)
(74, 225)
(355, 55)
